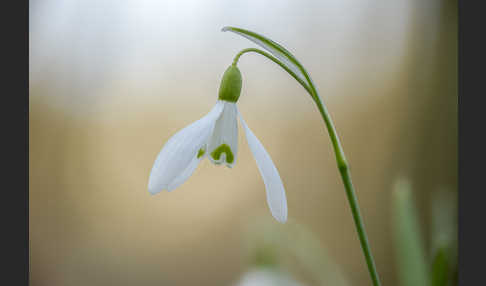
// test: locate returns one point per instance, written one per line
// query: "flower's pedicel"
(216, 136)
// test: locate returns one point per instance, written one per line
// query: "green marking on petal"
(223, 148)
(200, 153)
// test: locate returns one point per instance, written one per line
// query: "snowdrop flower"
(216, 136)
(267, 277)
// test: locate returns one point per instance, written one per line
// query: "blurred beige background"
(112, 81)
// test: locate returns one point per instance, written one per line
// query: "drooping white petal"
(175, 162)
(182, 177)
(223, 143)
(275, 191)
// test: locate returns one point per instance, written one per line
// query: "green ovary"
(223, 148)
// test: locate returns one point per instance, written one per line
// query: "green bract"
(230, 87)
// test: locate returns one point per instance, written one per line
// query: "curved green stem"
(350, 193)
(340, 159)
(275, 60)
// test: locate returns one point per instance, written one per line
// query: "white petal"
(274, 188)
(225, 136)
(173, 164)
(181, 178)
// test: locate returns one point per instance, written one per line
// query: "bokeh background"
(112, 81)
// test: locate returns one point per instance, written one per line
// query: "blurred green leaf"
(444, 236)
(265, 255)
(411, 259)
(444, 221)
(285, 246)
(306, 247)
(440, 268)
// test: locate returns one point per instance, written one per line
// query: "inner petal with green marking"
(223, 148)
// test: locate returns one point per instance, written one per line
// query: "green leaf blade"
(444, 237)
(440, 268)
(277, 51)
(411, 259)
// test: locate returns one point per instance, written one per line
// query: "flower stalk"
(288, 62)
(350, 193)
